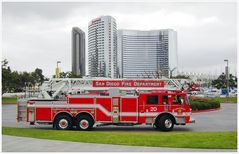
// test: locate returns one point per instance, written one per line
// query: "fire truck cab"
(160, 108)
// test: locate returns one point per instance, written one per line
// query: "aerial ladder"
(58, 87)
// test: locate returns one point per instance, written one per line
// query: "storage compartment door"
(129, 110)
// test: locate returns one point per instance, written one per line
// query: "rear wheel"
(165, 123)
(84, 122)
(63, 122)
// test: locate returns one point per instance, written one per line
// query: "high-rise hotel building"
(144, 53)
(102, 49)
(78, 51)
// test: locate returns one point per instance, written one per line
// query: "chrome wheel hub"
(63, 123)
(168, 123)
(84, 124)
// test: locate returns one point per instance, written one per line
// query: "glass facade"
(78, 51)
(146, 54)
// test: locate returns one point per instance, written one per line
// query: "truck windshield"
(177, 100)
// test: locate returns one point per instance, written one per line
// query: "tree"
(6, 76)
(232, 81)
(38, 76)
(4, 63)
(157, 74)
(73, 75)
(220, 82)
(68, 75)
(27, 79)
(13, 81)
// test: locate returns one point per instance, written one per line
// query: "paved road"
(22, 144)
(221, 120)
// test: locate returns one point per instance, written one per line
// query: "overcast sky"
(39, 34)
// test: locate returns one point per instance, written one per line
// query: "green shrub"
(203, 104)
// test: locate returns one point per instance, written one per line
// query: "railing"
(30, 92)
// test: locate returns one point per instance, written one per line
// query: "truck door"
(177, 103)
(165, 103)
(152, 104)
(149, 107)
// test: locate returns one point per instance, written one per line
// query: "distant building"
(146, 54)
(102, 49)
(78, 51)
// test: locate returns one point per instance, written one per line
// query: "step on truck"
(82, 104)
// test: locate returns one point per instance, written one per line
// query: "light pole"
(227, 76)
(57, 69)
(57, 63)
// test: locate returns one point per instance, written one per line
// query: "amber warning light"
(130, 83)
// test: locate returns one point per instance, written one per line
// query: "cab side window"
(152, 99)
(177, 100)
(165, 99)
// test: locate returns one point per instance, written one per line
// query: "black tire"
(165, 123)
(63, 122)
(84, 123)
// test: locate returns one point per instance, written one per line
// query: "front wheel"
(164, 123)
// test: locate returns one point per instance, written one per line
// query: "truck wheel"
(84, 122)
(165, 123)
(63, 122)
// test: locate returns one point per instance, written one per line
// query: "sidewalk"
(22, 144)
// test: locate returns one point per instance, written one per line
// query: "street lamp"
(227, 76)
(57, 63)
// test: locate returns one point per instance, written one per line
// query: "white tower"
(102, 52)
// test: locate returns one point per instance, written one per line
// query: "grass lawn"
(206, 140)
(9, 100)
(224, 99)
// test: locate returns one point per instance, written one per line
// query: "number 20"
(153, 109)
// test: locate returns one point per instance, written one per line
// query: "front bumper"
(192, 120)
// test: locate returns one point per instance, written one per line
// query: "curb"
(208, 110)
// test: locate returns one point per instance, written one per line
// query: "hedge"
(203, 104)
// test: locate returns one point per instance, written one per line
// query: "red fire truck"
(66, 104)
